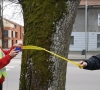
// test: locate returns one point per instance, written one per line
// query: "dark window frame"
(98, 40)
(5, 33)
(72, 40)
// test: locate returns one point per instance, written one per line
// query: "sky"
(13, 12)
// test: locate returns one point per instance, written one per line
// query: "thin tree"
(48, 24)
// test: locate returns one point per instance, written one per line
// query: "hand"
(83, 63)
(18, 45)
(13, 52)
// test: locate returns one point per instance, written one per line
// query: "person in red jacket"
(9, 54)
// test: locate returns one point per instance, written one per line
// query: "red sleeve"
(4, 61)
(7, 51)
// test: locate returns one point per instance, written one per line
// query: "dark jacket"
(93, 63)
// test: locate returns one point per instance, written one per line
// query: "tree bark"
(47, 24)
(61, 42)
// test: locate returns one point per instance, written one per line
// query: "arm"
(14, 46)
(4, 61)
(7, 51)
(93, 63)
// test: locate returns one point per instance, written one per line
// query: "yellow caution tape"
(39, 48)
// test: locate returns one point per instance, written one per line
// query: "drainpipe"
(86, 38)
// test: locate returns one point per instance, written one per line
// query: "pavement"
(72, 82)
(77, 55)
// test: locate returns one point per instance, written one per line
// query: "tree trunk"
(60, 45)
(47, 24)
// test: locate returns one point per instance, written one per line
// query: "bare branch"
(12, 11)
(13, 1)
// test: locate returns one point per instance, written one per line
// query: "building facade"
(82, 37)
(12, 33)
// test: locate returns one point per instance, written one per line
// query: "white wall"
(19, 41)
(7, 24)
(9, 43)
(79, 41)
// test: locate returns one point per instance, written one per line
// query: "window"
(5, 33)
(12, 33)
(12, 42)
(99, 19)
(20, 32)
(98, 40)
(15, 26)
(16, 41)
(72, 40)
(16, 34)
(5, 43)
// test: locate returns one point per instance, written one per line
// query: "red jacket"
(4, 61)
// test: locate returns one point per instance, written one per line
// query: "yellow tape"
(39, 48)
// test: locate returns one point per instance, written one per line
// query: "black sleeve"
(93, 63)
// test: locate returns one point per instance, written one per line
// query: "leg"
(0, 86)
